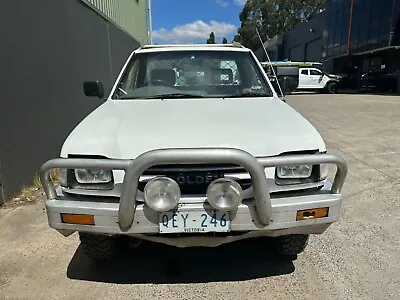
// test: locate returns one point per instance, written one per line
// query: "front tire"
(99, 247)
(291, 244)
(331, 88)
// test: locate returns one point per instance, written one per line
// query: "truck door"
(316, 78)
(304, 79)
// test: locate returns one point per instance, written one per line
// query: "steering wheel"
(159, 81)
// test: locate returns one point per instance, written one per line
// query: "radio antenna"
(270, 63)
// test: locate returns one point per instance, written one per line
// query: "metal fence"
(44, 57)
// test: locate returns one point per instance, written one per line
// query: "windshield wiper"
(164, 96)
(173, 95)
(243, 95)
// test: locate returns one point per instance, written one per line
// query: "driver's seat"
(166, 76)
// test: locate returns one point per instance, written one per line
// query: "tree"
(224, 41)
(237, 38)
(273, 17)
(211, 39)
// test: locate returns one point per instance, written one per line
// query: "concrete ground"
(357, 258)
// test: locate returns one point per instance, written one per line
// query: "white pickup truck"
(294, 77)
(315, 79)
(201, 158)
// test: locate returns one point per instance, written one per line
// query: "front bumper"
(262, 215)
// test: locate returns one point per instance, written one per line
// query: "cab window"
(315, 72)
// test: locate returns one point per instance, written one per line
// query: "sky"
(191, 21)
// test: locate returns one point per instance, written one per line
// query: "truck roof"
(291, 64)
(210, 47)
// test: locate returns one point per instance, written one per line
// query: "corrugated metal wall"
(129, 14)
(44, 57)
(2, 192)
(295, 41)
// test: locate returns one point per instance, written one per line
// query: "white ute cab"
(192, 147)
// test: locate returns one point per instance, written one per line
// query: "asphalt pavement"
(357, 258)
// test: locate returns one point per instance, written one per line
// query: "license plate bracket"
(194, 221)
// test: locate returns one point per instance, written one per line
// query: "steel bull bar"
(134, 168)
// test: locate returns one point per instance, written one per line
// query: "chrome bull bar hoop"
(311, 159)
(134, 169)
(71, 163)
(192, 156)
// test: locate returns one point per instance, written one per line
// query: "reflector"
(77, 219)
(314, 213)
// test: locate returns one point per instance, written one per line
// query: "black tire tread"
(98, 246)
(329, 89)
(292, 244)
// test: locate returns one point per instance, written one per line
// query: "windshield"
(192, 74)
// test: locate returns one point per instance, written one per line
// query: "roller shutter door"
(296, 53)
(314, 50)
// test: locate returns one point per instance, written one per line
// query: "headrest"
(223, 75)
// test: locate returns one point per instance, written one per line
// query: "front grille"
(194, 179)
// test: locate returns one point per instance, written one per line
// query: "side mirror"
(93, 88)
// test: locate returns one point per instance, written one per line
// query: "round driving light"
(162, 194)
(224, 194)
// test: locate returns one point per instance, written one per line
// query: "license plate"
(194, 221)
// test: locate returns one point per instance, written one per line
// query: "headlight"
(294, 172)
(90, 176)
(162, 194)
(224, 194)
(324, 171)
(62, 174)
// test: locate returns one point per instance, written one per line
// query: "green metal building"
(130, 15)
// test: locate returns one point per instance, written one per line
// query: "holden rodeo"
(192, 147)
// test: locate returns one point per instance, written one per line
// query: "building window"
(336, 51)
(365, 20)
(355, 24)
(339, 24)
(332, 25)
(345, 29)
(385, 22)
